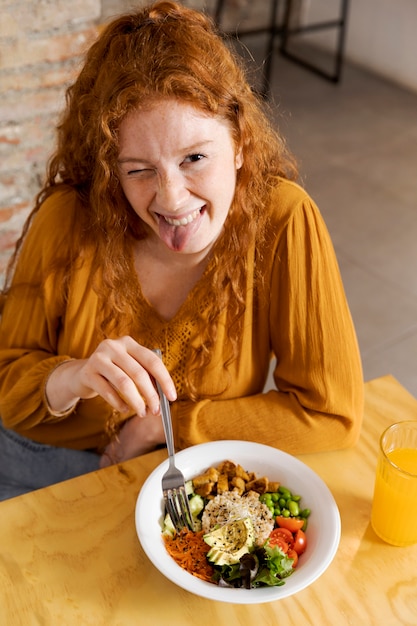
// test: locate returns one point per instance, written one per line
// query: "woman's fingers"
(122, 372)
(154, 366)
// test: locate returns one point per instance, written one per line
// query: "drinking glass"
(394, 508)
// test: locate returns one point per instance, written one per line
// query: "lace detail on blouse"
(173, 337)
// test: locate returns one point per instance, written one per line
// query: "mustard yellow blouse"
(300, 316)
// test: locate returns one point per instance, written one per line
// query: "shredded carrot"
(189, 550)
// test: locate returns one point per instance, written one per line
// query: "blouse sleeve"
(318, 401)
(30, 324)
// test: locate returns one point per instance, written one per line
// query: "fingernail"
(172, 395)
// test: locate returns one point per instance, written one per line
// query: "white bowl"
(323, 532)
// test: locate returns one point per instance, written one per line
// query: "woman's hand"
(121, 371)
(137, 436)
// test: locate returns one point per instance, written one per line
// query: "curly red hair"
(165, 50)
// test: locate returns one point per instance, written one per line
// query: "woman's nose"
(172, 194)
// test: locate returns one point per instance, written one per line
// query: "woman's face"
(177, 168)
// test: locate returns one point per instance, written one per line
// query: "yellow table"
(69, 554)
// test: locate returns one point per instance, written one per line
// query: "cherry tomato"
(280, 543)
(293, 555)
(300, 541)
(292, 523)
(284, 533)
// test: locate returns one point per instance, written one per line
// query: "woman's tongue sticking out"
(176, 236)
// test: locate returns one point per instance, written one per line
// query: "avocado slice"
(230, 542)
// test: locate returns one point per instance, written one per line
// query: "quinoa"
(230, 506)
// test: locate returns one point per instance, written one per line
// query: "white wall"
(382, 35)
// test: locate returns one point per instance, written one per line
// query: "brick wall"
(41, 42)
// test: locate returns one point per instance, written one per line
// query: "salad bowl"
(323, 532)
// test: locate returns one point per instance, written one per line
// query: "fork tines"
(177, 506)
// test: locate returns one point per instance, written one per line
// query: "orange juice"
(394, 511)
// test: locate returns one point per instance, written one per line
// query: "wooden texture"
(69, 553)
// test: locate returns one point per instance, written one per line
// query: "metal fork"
(173, 482)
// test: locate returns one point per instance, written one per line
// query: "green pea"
(275, 497)
(286, 493)
(293, 508)
(305, 513)
(285, 513)
(296, 498)
(282, 502)
(277, 511)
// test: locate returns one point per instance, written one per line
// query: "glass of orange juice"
(394, 508)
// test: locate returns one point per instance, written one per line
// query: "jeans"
(26, 465)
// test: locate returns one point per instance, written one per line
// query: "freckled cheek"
(139, 199)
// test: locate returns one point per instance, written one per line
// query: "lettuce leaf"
(276, 566)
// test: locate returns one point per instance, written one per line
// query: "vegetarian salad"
(248, 532)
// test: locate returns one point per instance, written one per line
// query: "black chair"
(285, 32)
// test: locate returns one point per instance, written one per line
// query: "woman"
(170, 219)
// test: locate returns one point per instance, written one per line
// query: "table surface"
(69, 554)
